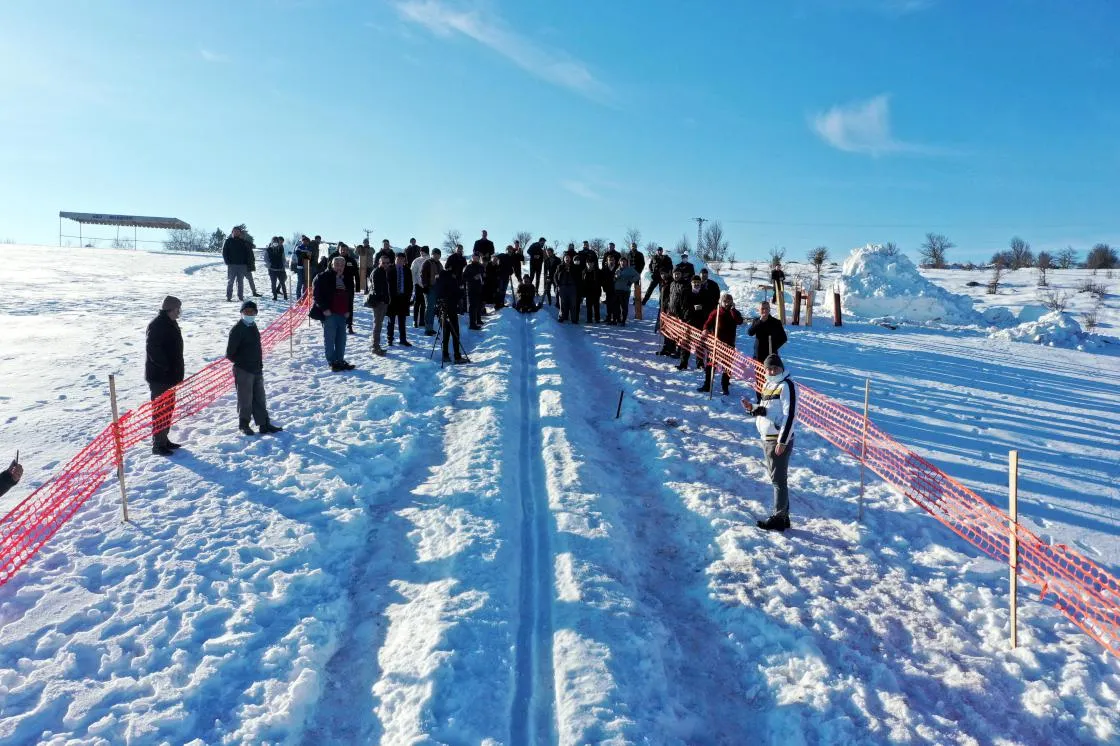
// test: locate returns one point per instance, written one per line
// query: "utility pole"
(368, 231)
(699, 231)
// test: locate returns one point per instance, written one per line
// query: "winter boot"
(243, 426)
(774, 523)
(268, 429)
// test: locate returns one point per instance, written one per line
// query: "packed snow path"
(360, 578)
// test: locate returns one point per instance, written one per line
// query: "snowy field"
(484, 554)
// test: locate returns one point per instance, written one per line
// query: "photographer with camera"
(447, 310)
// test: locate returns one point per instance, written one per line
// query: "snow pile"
(876, 285)
(999, 316)
(1054, 329)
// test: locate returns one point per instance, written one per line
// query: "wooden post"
(638, 300)
(780, 291)
(797, 306)
(809, 309)
(863, 444)
(1013, 553)
(836, 309)
(363, 266)
(712, 375)
(307, 286)
(118, 445)
(618, 413)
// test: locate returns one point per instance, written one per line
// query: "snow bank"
(1054, 329)
(875, 285)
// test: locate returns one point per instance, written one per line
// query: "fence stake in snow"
(118, 446)
(836, 308)
(712, 362)
(1013, 554)
(797, 306)
(307, 286)
(863, 446)
(809, 308)
(780, 291)
(619, 412)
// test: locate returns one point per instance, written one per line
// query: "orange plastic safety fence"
(31, 523)
(1081, 589)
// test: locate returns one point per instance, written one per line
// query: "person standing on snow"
(237, 253)
(722, 321)
(277, 274)
(485, 247)
(774, 416)
(429, 274)
(690, 308)
(566, 280)
(551, 262)
(418, 290)
(626, 277)
(688, 271)
(333, 302)
(768, 332)
(380, 296)
(244, 351)
(536, 262)
(163, 370)
(401, 296)
(474, 278)
(446, 302)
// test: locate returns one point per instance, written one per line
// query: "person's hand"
(746, 404)
(15, 471)
(779, 449)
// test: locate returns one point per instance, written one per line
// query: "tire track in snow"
(532, 717)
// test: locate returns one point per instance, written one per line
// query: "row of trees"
(194, 239)
(1018, 255)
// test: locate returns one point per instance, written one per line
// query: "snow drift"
(1053, 329)
(875, 284)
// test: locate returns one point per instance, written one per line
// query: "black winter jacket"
(237, 251)
(690, 308)
(474, 277)
(637, 260)
(455, 264)
(484, 247)
(400, 298)
(380, 288)
(768, 335)
(164, 363)
(568, 275)
(244, 348)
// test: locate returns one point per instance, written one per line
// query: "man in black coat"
(484, 247)
(587, 256)
(350, 274)
(690, 308)
(380, 296)
(447, 305)
(637, 259)
(277, 270)
(455, 264)
(768, 332)
(591, 290)
(244, 351)
(536, 262)
(686, 267)
(548, 267)
(163, 369)
(506, 264)
(237, 254)
(474, 278)
(567, 280)
(611, 253)
(400, 297)
(710, 290)
(332, 304)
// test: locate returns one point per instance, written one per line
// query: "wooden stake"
(809, 309)
(619, 412)
(863, 446)
(638, 301)
(796, 306)
(1013, 553)
(780, 288)
(712, 376)
(118, 446)
(307, 287)
(836, 308)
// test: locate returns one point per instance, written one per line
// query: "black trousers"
(614, 312)
(592, 306)
(474, 307)
(279, 279)
(451, 332)
(161, 415)
(724, 380)
(398, 312)
(535, 267)
(419, 305)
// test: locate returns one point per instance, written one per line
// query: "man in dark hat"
(244, 351)
(768, 332)
(567, 279)
(163, 369)
(774, 416)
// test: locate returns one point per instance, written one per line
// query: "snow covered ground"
(484, 554)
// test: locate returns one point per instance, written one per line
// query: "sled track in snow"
(532, 716)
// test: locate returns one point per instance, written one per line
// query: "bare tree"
(555, 244)
(997, 273)
(1021, 255)
(731, 259)
(1102, 256)
(1043, 262)
(817, 257)
(598, 245)
(1067, 258)
(777, 254)
(683, 246)
(633, 237)
(296, 237)
(1055, 300)
(525, 237)
(934, 249)
(451, 239)
(713, 246)
(190, 239)
(890, 248)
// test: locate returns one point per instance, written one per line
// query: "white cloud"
(547, 64)
(864, 127)
(211, 56)
(580, 189)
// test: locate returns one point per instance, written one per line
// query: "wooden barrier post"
(863, 445)
(307, 287)
(1013, 554)
(797, 306)
(836, 308)
(618, 413)
(638, 300)
(712, 376)
(118, 446)
(809, 308)
(780, 290)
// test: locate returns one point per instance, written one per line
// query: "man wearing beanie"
(774, 416)
(244, 351)
(163, 369)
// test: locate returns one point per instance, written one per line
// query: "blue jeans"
(334, 337)
(777, 467)
(430, 311)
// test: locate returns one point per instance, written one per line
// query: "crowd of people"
(420, 285)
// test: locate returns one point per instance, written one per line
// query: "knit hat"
(247, 305)
(171, 303)
(773, 361)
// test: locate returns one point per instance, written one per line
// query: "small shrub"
(1096, 289)
(1090, 319)
(1055, 300)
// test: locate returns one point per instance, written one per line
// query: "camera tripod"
(441, 314)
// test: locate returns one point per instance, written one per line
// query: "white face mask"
(250, 319)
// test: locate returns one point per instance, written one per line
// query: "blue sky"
(798, 123)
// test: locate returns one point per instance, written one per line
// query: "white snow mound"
(876, 285)
(1054, 329)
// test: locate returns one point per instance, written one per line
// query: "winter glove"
(759, 411)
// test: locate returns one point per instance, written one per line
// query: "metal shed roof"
(137, 221)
